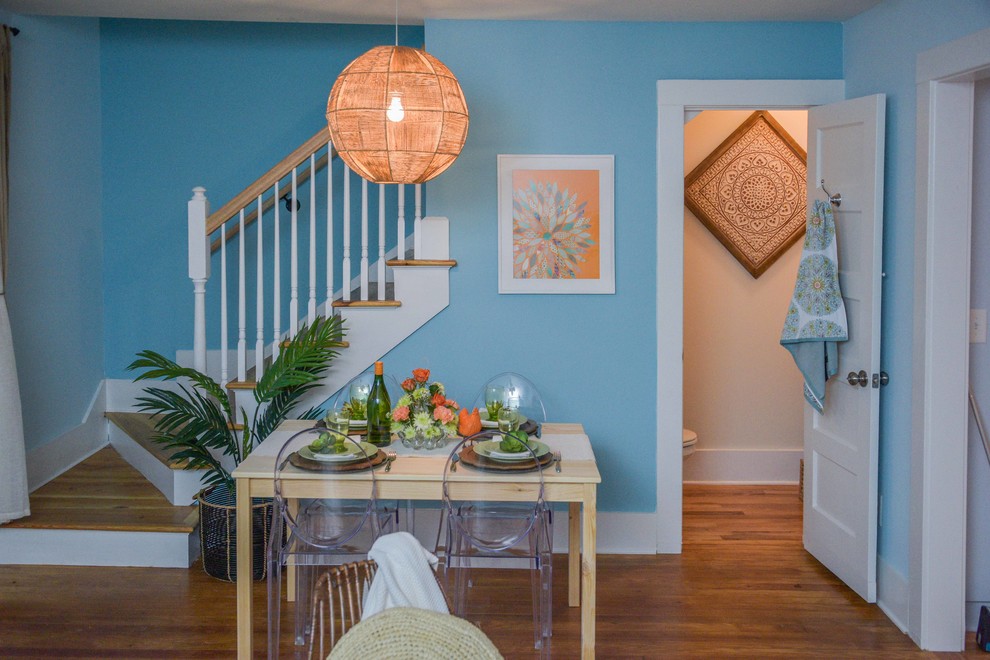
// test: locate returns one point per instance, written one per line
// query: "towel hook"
(836, 199)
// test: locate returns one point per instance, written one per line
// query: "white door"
(845, 148)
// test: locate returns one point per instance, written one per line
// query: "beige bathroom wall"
(742, 390)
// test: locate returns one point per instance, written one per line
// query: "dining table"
(417, 475)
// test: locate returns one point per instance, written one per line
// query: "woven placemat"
(304, 463)
(471, 458)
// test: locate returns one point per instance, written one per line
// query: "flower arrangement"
(423, 412)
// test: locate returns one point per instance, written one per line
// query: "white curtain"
(13, 469)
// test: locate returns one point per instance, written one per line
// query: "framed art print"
(556, 224)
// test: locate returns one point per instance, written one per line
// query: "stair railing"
(211, 232)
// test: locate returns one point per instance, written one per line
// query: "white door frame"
(674, 97)
(939, 437)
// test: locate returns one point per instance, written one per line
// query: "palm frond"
(159, 367)
(304, 359)
(196, 422)
(316, 412)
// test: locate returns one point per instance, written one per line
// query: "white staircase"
(385, 293)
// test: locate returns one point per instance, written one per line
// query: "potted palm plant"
(200, 422)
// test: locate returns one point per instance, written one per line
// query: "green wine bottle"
(379, 411)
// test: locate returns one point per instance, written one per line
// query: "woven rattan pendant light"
(397, 115)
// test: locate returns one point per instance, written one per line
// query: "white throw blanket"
(405, 576)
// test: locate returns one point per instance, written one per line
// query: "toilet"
(690, 439)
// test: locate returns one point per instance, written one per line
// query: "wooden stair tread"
(288, 342)
(393, 263)
(141, 429)
(367, 303)
(104, 493)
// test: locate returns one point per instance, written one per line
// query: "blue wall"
(579, 88)
(55, 286)
(880, 50)
(198, 103)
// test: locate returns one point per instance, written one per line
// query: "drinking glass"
(339, 421)
(508, 420)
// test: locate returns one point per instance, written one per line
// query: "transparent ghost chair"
(513, 391)
(490, 521)
(327, 523)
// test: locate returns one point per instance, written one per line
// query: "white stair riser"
(178, 486)
(372, 332)
(78, 547)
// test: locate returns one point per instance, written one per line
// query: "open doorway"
(743, 403)
(674, 99)
(946, 77)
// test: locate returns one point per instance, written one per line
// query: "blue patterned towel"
(816, 318)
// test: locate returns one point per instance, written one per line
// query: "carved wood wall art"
(750, 192)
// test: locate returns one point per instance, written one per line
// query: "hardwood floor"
(742, 588)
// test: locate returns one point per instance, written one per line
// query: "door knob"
(860, 379)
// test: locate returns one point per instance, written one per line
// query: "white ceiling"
(415, 11)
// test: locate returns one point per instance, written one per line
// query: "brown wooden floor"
(742, 588)
(105, 493)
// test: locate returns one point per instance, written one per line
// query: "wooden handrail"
(267, 204)
(267, 180)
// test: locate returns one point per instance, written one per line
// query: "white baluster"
(294, 263)
(259, 344)
(417, 221)
(364, 239)
(199, 271)
(400, 234)
(346, 261)
(329, 304)
(311, 308)
(241, 307)
(277, 291)
(224, 376)
(381, 241)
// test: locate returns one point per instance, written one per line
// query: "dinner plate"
(489, 424)
(490, 449)
(354, 455)
(358, 423)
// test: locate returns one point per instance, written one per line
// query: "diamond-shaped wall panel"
(750, 192)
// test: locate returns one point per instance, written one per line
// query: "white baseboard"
(79, 547)
(893, 594)
(122, 393)
(55, 457)
(743, 466)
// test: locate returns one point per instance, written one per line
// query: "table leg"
(589, 508)
(244, 569)
(574, 554)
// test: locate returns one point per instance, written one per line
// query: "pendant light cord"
(396, 22)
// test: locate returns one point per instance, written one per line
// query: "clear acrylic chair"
(512, 390)
(337, 521)
(481, 523)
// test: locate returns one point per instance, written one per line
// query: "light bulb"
(395, 110)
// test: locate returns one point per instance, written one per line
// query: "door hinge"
(880, 380)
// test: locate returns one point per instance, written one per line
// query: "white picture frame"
(575, 254)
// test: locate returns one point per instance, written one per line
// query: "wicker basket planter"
(218, 533)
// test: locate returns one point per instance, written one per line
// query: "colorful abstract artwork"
(750, 192)
(555, 224)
